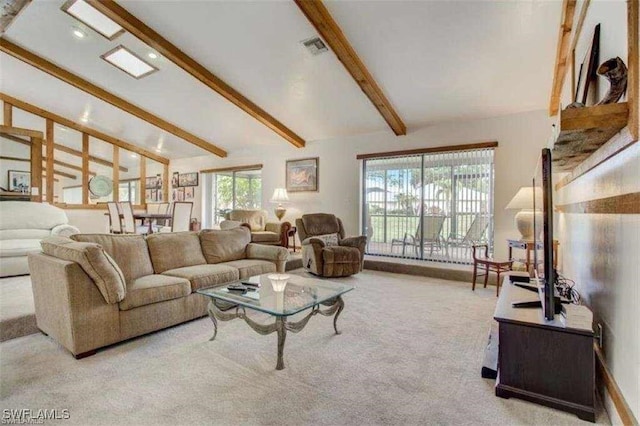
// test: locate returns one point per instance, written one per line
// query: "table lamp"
(523, 201)
(280, 196)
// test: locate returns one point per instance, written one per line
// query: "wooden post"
(633, 93)
(8, 114)
(143, 181)
(116, 174)
(36, 169)
(165, 184)
(85, 168)
(49, 141)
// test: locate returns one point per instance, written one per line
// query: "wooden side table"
(530, 246)
(292, 235)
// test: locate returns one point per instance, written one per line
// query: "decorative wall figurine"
(615, 71)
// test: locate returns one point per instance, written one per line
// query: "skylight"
(90, 16)
(128, 62)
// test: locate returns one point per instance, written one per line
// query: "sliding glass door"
(429, 206)
(228, 190)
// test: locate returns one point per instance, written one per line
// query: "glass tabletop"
(299, 294)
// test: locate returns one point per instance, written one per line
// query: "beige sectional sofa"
(93, 290)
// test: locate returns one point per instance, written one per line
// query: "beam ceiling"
(321, 19)
(149, 36)
(84, 129)
(100, 93)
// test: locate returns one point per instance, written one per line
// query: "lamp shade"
(524, 199)
(280, 196)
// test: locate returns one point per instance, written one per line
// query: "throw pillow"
(329, 239)
(100, 267)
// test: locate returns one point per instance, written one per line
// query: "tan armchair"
(262, 232)
(320, 256)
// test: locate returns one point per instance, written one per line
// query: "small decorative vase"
(278, 281)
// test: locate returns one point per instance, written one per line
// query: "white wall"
(600, 251)
(10, 148)
(520, 138)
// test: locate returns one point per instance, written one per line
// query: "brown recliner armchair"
(325, 254)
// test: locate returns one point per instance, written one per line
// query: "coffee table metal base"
(281, 325)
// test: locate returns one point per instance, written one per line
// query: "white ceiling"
(435, 61)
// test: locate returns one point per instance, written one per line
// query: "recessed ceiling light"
(84, 119)
(94, 19)
(127, 61)
(158, 149)
(152, 55)
(78, 33)
(134, 155)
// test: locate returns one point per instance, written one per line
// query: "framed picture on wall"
(19, 181)
(188, 179)
(152, 182)
(180, 194)
(189, 193)
(302, 175)
(175, 179)
(154, 195)
(147, 195)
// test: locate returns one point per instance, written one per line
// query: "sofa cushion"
(203, 276)
(265, 237)
(28, 234)
(320, 223)
(100, 267)
(152, 289)
(174, 250)
(251, 267)
(222, 246)
(28, 215)
(13, 248)
(129, 251)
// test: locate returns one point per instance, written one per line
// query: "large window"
(429, 206)
(128, 190)
(228, 190)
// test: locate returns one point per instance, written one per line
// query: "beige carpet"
(17, 316)
(410, 353)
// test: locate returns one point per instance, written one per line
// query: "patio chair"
(431, 236)
(473, 236)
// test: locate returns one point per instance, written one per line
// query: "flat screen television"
(543, 201)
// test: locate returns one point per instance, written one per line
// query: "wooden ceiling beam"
(68, 150)
(64, 174)
(92, 158)
(163, 46)
(100, 93)
(84, 129)
(562, 55)
(321, 19)
(18, 131)
(69, 166)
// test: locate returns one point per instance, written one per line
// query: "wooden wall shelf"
(584, 130)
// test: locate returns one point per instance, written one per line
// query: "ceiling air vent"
(315, 45)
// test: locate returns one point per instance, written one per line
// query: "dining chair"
(153, 207)
(163, 208)
(115, 224)
(180, 217)
(130, 222)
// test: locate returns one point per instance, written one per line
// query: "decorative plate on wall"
(100, 186)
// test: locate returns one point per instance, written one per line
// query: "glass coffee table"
(300, 294)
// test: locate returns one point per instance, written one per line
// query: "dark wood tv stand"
(547, 362)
